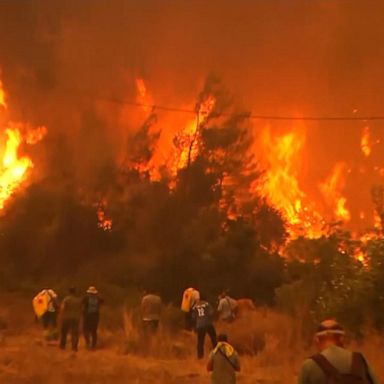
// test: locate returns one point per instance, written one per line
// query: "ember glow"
(366, 142)
(103, 222)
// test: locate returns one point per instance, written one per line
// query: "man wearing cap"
(91, 316)
(334, 363)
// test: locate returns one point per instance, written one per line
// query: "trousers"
(201, 332)
(69, 326)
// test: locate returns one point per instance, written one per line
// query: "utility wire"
(154, 107)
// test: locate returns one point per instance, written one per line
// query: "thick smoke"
(65, 64)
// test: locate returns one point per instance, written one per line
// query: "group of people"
(200, 314)
(69, 313)
(332, 364)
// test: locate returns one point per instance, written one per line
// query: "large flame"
(332, 189)
(280, 186)
(14, 167)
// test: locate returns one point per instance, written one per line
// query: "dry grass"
(271, 352)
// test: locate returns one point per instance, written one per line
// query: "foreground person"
(223, 362)
(202, 315)
(71, 310)
(91, 316)
(334, 363)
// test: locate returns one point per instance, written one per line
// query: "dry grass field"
(270, 352)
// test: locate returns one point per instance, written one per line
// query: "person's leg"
(200, 342)
(95, 324)
(155, 326)
(212, 335)
(87, 330)
(63, 334)
(75, 334)
(45, 320)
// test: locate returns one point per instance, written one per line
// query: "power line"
(155, 107)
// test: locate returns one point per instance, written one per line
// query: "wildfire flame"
(143, 97)
(332, 188)
(281, 186)
(187, 141)
(14, 168)
(2, 96)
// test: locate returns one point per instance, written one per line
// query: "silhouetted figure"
(91, 316)
(71, 310)
(202, 315)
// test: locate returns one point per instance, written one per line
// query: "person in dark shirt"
(71, 309)
(202, 315)
(91, 316)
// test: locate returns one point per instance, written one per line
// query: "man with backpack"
(46, 305)
(202, 315)
(335, 364)
(223, 362)
(91, 316)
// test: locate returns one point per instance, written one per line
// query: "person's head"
(92, 290)
(329, 332)
(72, 291)
(222, 337)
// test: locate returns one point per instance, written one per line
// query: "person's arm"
(210, 363)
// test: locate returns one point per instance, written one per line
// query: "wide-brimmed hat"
(92, 289)
(329, 327)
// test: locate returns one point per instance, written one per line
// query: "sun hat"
(92, 289)
(329, 327)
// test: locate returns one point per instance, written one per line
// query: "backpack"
(357, 375)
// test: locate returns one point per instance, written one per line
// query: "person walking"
(150, 308)
(226, 308)
(151, 305)
(223, 362)
(202, 315)
(334, 363)
(91, 316)
(45, 305)
(71, 311)
(190, 297)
